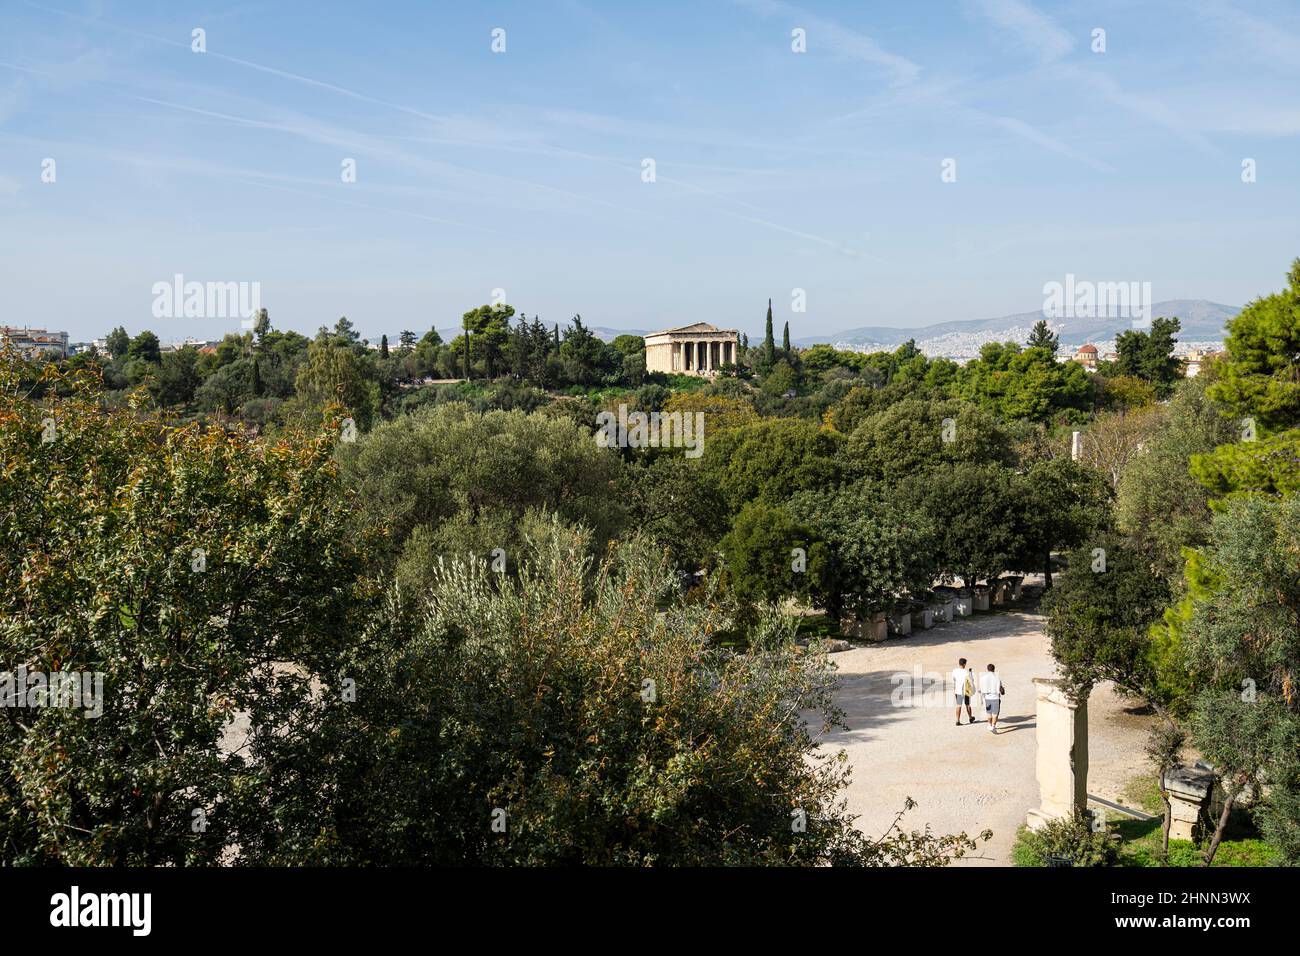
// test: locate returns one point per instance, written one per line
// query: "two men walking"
(990, 686)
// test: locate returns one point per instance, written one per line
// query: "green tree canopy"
(145, 348)
(1098, 617)
(1012, 382)
(866, 552)
(1062, 504)
(770, 459)
(760, 557)
(973, 515)
(470, 478)
(1261, 375)
(180, 564)
(118, 343)
(336, 372)
(1160, 507)
(909, 436)
(1150, 355)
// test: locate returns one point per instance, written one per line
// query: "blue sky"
(522, 170)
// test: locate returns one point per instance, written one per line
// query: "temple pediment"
(697, 327)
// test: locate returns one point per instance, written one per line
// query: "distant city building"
(35, 343)
(189, 342)
(1195, 360)
(1087, 357)
(699, 349)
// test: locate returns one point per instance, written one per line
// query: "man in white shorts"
(992, 689)
(963, 682)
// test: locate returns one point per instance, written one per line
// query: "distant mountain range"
(1201, 321)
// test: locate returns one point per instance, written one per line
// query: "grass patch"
(817, 626)
(1143, 793)
(1139, 840)
(1141, 847)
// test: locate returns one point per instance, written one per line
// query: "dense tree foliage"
(447, 481)
(771, 459)
(203, 577)
(1149, 355)
(911, 435)
(1012, 382)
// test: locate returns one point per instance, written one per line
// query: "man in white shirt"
(963, 682)
(992, 689)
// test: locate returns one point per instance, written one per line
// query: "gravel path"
(901, 740)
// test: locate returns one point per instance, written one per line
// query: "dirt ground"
(902, 742)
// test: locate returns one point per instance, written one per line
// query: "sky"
(524, 169)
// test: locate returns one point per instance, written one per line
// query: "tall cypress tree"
(466, 324)
(769, 344)
(383, 346)
(785, 340)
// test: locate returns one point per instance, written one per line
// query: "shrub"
(1073, 838)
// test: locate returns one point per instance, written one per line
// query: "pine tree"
(769, 344)
(1042, 337)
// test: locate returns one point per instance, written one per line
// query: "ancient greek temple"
(699, 349)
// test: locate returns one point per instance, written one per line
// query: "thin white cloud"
(837, 38)
(1280, 47)
(1034, 31)
(1039, 138)
(249, 64)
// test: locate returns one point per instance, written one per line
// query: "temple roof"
(697, 327)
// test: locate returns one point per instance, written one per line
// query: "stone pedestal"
(1062, 761)
(922, 618)
(1014, 585)
(872, 628)
(965, 604)
(980, 598)
(900, 622)
(941, 611)
(998, 593)
(1189, 790)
